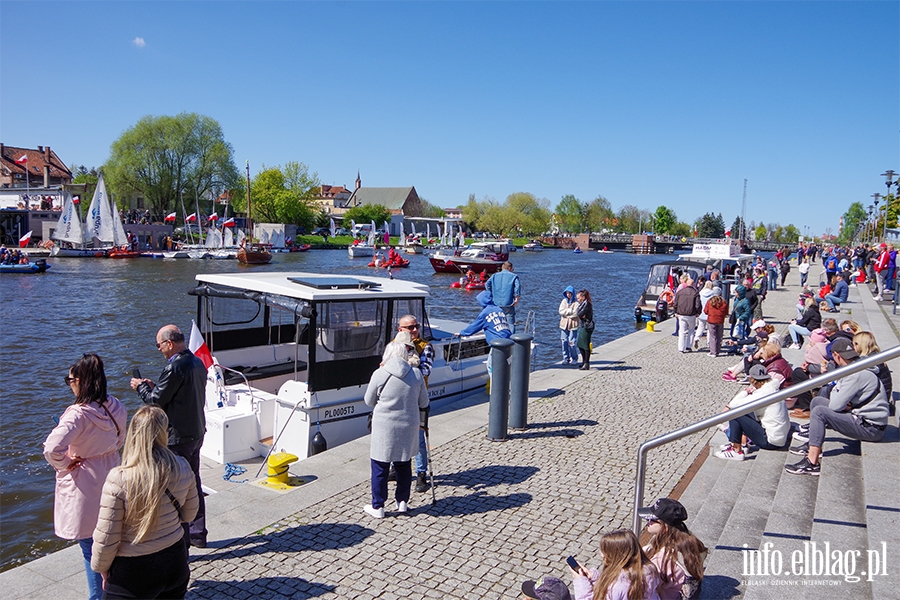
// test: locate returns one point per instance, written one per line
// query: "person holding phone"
(83, 448)
(677, 554)
(627, 572)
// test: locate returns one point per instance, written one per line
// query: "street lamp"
(877, 197)
(871, 208)
(889, 174)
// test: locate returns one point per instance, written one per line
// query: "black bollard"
(501, 349)
(518, 381)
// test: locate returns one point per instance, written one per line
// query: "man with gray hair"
(181, 393)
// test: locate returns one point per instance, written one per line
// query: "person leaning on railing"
(856, 406)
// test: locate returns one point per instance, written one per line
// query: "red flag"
(191, 218)
(198, 346)
(229, 223)
(23, 241)
(671, 281)
(169, 217)
(23, 160)
(213, 217)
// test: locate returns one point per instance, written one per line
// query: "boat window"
(467, 349)
(412, 306)
(350, 329)
(238, 320)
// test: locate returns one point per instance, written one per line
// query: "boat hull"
(458, 264)
(360, 251)
(38, 266)
(254, 256)
(79, 252)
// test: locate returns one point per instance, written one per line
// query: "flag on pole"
(191, 218)
(198, 346)
(728, 232)
(23, 241)
(23, 160)
(228, 222)
(169, 217)
(213, 217)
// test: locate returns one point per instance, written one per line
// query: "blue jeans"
(380, 482)
(749, 426)
(832, 301)
(422, 456)
(889, 280)
(803, 277)
(796, 330)
(568, 338)
(95, 580)
(510, 317)
(773, 279)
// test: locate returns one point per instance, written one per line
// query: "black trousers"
(190, 451)
(163, 574)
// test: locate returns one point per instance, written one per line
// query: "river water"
(115, 307)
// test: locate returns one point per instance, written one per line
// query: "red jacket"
(881, 263)
(714, 315)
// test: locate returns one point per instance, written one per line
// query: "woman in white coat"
(397, 393)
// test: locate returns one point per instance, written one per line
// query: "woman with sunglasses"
(83, 449)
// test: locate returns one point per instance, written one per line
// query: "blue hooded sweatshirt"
(491, 319)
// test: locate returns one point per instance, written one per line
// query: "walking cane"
(430, 464)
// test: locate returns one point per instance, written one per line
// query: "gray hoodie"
(397, 391)
(856, 388)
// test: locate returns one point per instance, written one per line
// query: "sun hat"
(759, 373)
(548, 588)
(758, 324)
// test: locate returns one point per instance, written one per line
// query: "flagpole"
(249, 216)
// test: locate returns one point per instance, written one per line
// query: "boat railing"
(244, 377)
(788, 392)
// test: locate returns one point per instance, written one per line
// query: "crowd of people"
(13, 256)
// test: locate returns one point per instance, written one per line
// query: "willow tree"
(164, 157)
(282, 194)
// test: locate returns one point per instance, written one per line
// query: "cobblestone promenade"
(506, 511)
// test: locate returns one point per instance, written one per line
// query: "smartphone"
(136, 373)
(573, 564)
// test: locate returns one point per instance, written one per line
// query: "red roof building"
(44, 168)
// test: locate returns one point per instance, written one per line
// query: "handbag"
(588, 326)
(732, 319)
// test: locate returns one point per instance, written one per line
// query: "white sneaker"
(878, 298)
(376, 513)
(402, 507)
(795, 346)
(729, 454)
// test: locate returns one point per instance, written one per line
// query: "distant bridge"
(647, 244)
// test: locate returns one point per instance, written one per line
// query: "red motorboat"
(476, 259)
(123, 252)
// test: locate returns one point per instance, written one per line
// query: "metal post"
(498, 415)
(519, 380)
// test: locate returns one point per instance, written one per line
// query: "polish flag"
(228, 223)
(728, 232)
(169, 217)
(23, 241)
(191, 218)
(23, 160)
(198, 346)
(213, 217)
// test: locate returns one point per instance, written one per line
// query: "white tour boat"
(295, 352)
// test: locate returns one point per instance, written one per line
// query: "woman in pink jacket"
(83, 448)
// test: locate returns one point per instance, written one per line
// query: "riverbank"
(505, 512)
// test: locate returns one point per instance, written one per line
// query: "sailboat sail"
(241, 236)
(228, 238)
(69, 228)
(99, 218)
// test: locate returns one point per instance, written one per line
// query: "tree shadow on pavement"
(262, 587)
(302, 538)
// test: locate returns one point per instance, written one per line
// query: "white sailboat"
(103, 229)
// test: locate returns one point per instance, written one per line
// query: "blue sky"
(644, 103)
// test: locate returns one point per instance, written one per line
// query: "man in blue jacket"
(839, 294)
(491, 319)
(505, 289)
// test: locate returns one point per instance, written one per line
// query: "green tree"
(761, 233)
(530, 215)
(570, 213)
(736, 232)
(366, 214)
(472, 212)
(282, 195)
(598, 214)
(160, 157)
(853, 222)
(681, 229)
(429, 210)
(665, 220)
(629, 219)
(710, 226)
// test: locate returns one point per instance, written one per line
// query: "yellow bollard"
(278, 467)
(650, 326)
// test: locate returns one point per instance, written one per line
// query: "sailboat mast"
(249, 215)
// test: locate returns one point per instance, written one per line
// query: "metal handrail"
(789, 392)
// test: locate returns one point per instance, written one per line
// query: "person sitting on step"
(855, 406)
(768, 427)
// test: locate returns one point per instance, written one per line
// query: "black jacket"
(811, 318)
(181, 393)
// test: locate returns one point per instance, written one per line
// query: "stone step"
(881, 483)
(744, 525)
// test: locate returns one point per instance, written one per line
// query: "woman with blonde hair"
(83, 448)
(140, 545)
(865, 345)
(627, 572)
(851, 326)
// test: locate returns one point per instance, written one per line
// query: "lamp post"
(868, 221)
(889, 174)
(877, 197)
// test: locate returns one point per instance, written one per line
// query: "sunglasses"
(158, 344)
(409, 327)
(69, 380)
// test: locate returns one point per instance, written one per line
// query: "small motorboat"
(474, 286)
(38, 266)
(577, 250)
(300, 248)
(533, 246)
(605, 251)
(123, 252)
(254, 254)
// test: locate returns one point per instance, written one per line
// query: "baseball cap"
(671, 512)
(758, 324)
(759, 373)
(548, 588)
(844, 347)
